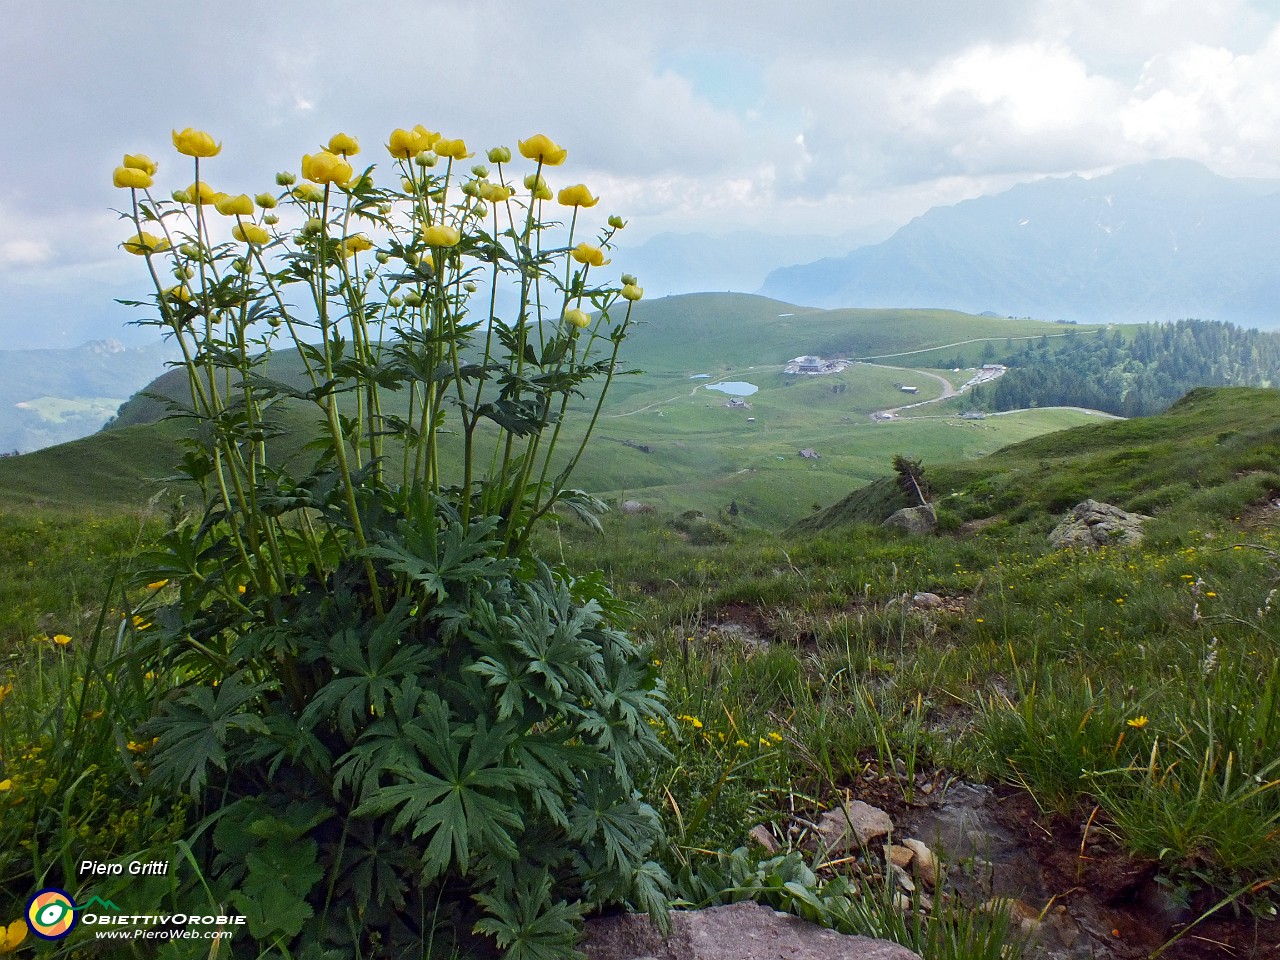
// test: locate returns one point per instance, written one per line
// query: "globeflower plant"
(391, 373)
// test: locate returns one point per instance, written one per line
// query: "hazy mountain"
(1158, 241)
(52, 396)
(671, 263)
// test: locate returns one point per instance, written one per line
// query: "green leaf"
(195, 729)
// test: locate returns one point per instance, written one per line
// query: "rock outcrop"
(739, 931)
(1092, 525)
(914, 520)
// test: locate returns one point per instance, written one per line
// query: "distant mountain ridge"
(1159, 241)
(48, 397)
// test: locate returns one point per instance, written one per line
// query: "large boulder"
(1092, 525)
(914, 520)
(738, 931)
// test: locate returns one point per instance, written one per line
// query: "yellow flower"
(61, 639)
(250, 233)
(577, 196)
(586, 253)
(631, 292)
(6, 784)
(178, 292)
(440, 235)
(140, 622)
(200, 193)
(453, 149)
(577, 318)
(195, 143)
(131, 177)
(266, 201)
(499, 155)
(140, 161)
(538, 187)
(342, 143)
(355, 244)
(144, 243)
(407, 143)
(692, 721)
(5, 690)
(158, 585)
(495, 192)
(1137, 722)
(775, 737)
(543, 149)
(741, 743)
(230, 206)
(241, 589)
(141, 747)
(13, 935)
(325, 167)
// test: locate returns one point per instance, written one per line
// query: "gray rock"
(1092, 525)
(764, 836)
(914, 520)
(852, 826)
(739, 931)
(635, 506)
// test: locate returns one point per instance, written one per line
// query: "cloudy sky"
(816, 117)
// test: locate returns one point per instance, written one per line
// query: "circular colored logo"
(51, 913)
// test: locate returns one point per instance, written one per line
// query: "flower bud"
(631, 292)
(270, 219)
(395, 302)
(382, 256)
(314, 225)
(629, 279)
(471, 188)
(250, 233)
(411, 258)
(500, 155)
(537, 186)
(425, 158)
(190, 251)
(309, 192)
(368, 273)
(412, 298)
(617, 222)
(240, 265)
(181, 196)
(481, 209)
(384, 208)
(469, 286)
(480, 171)
(575, 317)
(265, 200)
(285, 179)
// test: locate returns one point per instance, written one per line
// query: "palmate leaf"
(195, 729)
(370, 661)
(612, 821)
(434, 559)
(529, 926)
(465, 799)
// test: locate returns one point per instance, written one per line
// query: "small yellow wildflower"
(135, 746)
(742, 743)
(61, 639)
(140, 622)
(764, 742)
(5, 690)
(1137, 722)
(6, 784)
(775, 737)
(692, 721)
(11, 937)
(1210, 593)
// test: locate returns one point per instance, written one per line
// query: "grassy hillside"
(1215, 452)
(664, 437)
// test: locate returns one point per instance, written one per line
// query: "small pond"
(736, 388)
